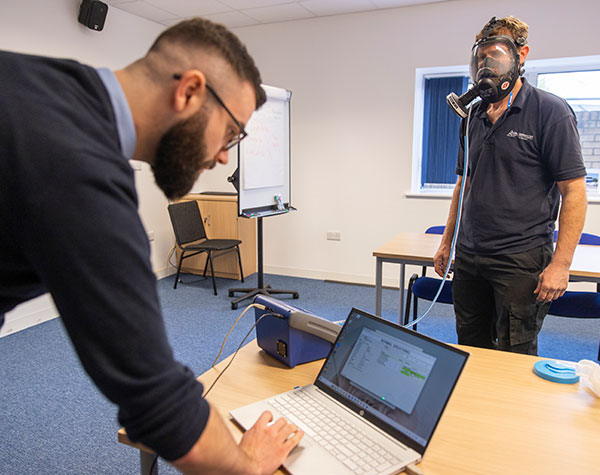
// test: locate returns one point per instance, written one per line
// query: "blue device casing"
(277, 338)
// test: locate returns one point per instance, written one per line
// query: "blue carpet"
(54, 421)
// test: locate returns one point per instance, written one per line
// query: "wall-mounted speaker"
(92, 14)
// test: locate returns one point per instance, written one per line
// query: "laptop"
(375, 403)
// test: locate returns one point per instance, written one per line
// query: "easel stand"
(261, 289)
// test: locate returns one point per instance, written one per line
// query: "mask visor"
(494, 67)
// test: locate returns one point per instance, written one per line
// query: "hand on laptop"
(268, 444)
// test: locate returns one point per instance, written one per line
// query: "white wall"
(352, 78)
(50, 27)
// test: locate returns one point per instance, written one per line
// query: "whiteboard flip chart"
(264, 156)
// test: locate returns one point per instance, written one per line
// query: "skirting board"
(334, 276)
(42, 309)
(28, 314)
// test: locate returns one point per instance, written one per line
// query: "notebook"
(375, 403)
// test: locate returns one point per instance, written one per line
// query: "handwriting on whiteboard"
(266, 148)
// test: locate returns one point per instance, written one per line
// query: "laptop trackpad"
(306, 459)
(309, 459)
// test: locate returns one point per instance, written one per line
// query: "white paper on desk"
(589, 375)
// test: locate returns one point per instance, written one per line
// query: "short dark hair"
(217, 39)
(510, 25)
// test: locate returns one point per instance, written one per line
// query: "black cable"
(151, 471)
(240, 346)
(228, 365)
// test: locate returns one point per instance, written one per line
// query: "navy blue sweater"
(69, 226)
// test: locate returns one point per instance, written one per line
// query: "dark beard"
(180, 156)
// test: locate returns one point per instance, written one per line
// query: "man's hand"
(440, 260)
(268, 444)
(261, 451)
(552, 283)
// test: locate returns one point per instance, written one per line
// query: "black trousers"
(494, 301)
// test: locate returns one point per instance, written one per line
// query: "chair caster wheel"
(230, 293)
(296, 295)
(233, 305)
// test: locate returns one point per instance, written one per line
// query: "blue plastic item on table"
(555, 371)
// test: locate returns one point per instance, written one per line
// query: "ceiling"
(237, 13)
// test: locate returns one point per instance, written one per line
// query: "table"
(419, 249)
(500, 419)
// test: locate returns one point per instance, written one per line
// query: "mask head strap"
(489, 27)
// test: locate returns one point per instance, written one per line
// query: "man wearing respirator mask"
(523, 156)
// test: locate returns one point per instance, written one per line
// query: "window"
(440, 137)
(435, 140)
(580, 89)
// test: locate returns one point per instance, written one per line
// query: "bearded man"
(70, 225)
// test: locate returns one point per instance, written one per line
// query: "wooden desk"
(253, 376)
(500, 419)
(419, 249)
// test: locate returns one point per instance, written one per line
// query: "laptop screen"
(396, 378)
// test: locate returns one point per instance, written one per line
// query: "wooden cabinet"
(221, 221)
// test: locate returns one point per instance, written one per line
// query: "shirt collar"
(517, 102)
(522, 95)
(123, 117)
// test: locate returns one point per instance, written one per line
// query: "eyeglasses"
(242, 133)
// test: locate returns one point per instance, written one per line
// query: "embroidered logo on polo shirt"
(519, 135)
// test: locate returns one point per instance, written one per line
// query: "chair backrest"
(586, 238)
(187, 222)
(576, 304)
(427, 287)
(435, 230)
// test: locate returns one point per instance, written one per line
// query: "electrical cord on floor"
(169, 254)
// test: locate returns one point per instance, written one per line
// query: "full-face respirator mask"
(494, 69)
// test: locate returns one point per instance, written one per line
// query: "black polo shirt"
(513, 199)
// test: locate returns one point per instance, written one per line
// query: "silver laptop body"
(374, 405)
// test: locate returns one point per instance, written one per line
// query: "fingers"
(268, 442)
(538, 288)
(287, 430)
(546, 294)
(294, 440)
(264, 419)
(562, 293)
(440, 267)
(280, 426)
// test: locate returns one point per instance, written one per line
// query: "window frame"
(532, 69)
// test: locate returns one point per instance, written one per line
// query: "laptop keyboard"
(349, 445)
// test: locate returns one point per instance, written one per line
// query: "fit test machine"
(290, 334)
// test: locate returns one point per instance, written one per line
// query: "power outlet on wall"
(334, 236)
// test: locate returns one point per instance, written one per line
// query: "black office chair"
(423, 287)
(191, 238)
